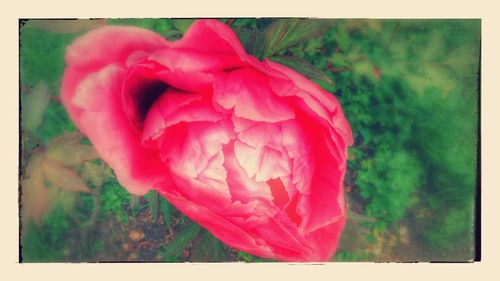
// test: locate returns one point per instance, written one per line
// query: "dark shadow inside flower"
(140, 91)
(146, 95)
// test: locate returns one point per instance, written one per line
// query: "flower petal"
(218, 225)
(298, 145)
(191, 145)
(111, 44)
(248, 92)
(320, 97)
(189, 60)
(177, 106)
(102, 119)
(210, 36)
(214, 37)
(324, 201)
(325, 240)
(262, 134)
(242, 187)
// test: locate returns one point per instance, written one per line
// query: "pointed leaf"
(34, 193)
(285, 33)
(134, 203)
(153, 204)
(68, 150)
(62, 198)
(171, 34)
(166, 211)
(208, 248)
(181, 240)
(302, 66)
(94, 173)
(34, 104)
(252, 40)
(65, 25)
(63, 177)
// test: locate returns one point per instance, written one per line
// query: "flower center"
(146, 95)
(138, 98)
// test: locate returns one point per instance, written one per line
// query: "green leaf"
(143, 23)
(166, 210)
(208, 248)
(153, 204)
(340, 61)
(95, 174)
(163, 25)
(302, 66)
(65, 25)
(181, 240)
(172, 34)
(343, 39)
(42, 56)
(69, 151)
(285, 33)
(364, 68)
(63, 177)
(182, 24)
(252, 40)
(55, 123)
(34, 104)
(134, 203)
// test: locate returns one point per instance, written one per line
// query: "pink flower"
(252, 151)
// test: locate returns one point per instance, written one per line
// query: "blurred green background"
(409, 89)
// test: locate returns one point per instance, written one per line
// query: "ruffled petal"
(262, 134)
(248, 92)
(242, 187)
(272, 165)
(111, 44)
(218, 225)
(102, 119)
(211, 36)
(248, 157)
(189, 60)
(325, 240)
(214, 37)
(285, 241)
(177, 106)
(317, 99)
(298, 145)
(324, 202)
(191, 145)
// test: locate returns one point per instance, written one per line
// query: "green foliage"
(353, 257)
(422, 107)
(182, 24)
(183, 237)
(390, 180)
(56, 122)
(153, 202)
(166, 211)
(42, 56)
(46, 243)
(208, 248)
(114, 198)
(283, 34)
(34, 106)
(450, 238)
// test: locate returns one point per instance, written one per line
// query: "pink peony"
(252, 151)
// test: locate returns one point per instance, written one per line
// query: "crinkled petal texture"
(252, 151)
